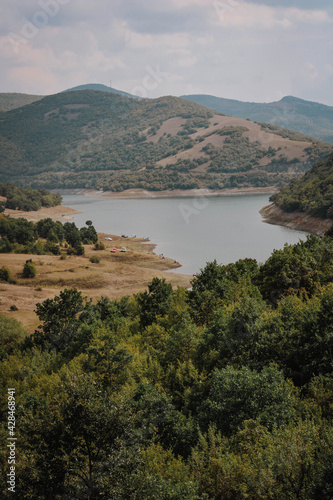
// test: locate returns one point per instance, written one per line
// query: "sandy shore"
(177, 193)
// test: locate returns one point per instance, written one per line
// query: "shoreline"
(176, 193)
(298, 221)
(58, 213)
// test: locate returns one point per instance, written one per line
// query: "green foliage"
(88, 234)
(12, 334)
(95, 259)
(313, 193)
(224, 391)
(29, 269)
(5, 274)
(99, 246)
(241, 394)
(60, 320)
(18, 230)
(28, 199)
(48, 144)
(155, 302)
(52, 231)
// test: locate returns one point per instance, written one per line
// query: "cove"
(191, 230)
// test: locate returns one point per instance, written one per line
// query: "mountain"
(101, 140)
(306, 117)
(9, 100)
(102, 88)
(312, 194)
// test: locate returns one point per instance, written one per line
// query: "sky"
(250, 50)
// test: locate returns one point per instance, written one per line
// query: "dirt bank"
(295, 220)
(176, 193)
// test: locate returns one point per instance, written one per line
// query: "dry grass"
(116, 275)
(289, 147)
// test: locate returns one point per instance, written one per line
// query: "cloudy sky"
(251, 50)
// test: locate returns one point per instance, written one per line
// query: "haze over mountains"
(101, 140)
(307, 117)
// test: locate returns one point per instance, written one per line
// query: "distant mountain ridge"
(306, 117)
(102, 140)
(101, 88)
(292, 113)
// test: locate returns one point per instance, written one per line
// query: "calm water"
(192, 231)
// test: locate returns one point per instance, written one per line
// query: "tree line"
(27, 199)
(46, 236)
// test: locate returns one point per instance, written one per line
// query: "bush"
(53, 248)
(13, 308)
(77, 250)
(99, 246)
(29, 269)
(4, 274)
(95, 260)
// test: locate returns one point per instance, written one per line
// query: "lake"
(192, 231)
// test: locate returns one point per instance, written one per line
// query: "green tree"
(243, 394)
(4, 274)
(29, 269)
(60, 321)
(155, 302)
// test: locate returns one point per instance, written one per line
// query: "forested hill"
(100, 140)
(12, 100)
(101, 87)
(306, 117)
(313, 193)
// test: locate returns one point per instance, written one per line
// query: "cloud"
(256, 50)
(246, 15)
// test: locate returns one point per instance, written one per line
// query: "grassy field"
(117, 274)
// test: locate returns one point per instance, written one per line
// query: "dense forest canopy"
(223, 391)
(312, 193)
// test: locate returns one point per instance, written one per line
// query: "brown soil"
(295, 220)
(176, 193)
(55, 213)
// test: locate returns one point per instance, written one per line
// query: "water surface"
(192, 231)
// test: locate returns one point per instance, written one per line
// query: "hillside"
(102, 88)
(100, 140)
(306, 117)
(10, 100)
(312, 194)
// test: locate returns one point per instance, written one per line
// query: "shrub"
(53, 248)
(95, 260)
(13, 308)
(99, 246)
(4, 274)
(78, 250)
(29, 269)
